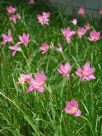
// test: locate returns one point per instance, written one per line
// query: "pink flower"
(44, 48)
(24, 39)
(100, 11)
(15, 48)
(86, 72)
(65, 70)
(44, 18)
(81, 11)
(11, 9)
(15, 17)
(31, 1)
(67, 33)
(25, 78)
(59, 48)
(38, 83)
(87, 27)
(94, 36)
(81, 32)
(74, 21)
(7, 38)
(72, 108)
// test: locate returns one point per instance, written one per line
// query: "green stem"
(70, 91)
(25, 58)
(63, 56)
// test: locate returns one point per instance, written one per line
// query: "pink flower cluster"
(24, 39)
(87, 27)
(72, 108)
(44, 18)
(15, 16)
(65, 70)
(94, 36)
(81, 11)
(44, 48)
(85, 73)
(7, 38)
(81, 31)
(68, 33)
(15, 49)
(36, 83)
(11, 9)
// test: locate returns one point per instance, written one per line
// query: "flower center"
(73, 110)
(85, 73)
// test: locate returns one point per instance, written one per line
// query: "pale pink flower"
(81, 31)
(100, 11)
(74, 21)
(86, 72)
(87, 27)
(59, 48)
(7, 38)
(51, 46)
(24, 39)
(25, 78)
(15, 48)
(81, 11)
(94, 36)
(44, 18)
(38, 83)
(68, 33)
(15, 17)
(72, 108)
(31, 2)
(44, 48)
(65, 70)
(11, 9)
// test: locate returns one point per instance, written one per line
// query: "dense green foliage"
(37, 114)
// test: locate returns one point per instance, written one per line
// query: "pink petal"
(31, 88)
(74, 103)
(68, 67)
(86, 67)
(37, 77)
(41, 89)
(78, 113)
(92, 77)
